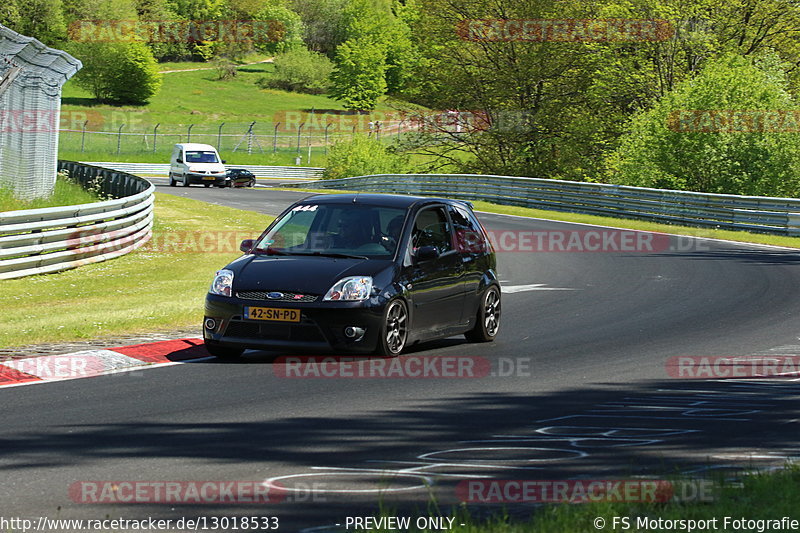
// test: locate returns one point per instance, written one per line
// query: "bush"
(299, 70)
(118, 73)
(226, 69)
(361, 157)
(708, 134)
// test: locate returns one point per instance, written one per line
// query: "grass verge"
(759, 499)
(158, 287)
(65, 192)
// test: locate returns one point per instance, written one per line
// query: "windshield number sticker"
(305, 208)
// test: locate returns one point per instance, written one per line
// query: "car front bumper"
(216, 179)
(322, 326)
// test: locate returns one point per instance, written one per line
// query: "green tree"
(286, 29)
(529, 99)
(363, 156)
(359, 77)
(42, 19)
(386, 25)
(708, 134)
(323, 22)
(119, 73)
(9, 14)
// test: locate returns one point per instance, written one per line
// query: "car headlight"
(223, 282)
(352, 288)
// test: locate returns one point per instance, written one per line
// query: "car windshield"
(201, 157)
(337, 230)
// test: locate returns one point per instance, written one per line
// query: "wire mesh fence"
(251, 138)
(31, 76)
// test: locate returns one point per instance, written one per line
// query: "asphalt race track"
(583, 382)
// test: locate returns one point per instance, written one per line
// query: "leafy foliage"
(300, 70)
(359, 78)
(708, 134)
(120, 73)
(363, 156)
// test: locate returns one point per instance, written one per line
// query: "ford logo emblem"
(274, 295)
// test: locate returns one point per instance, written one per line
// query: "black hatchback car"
(362, 273)
(239, 177)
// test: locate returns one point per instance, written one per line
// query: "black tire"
(488, 318)
(224, 352)
(172, 180)
(185, 180)
(207, 185)
(394, 331)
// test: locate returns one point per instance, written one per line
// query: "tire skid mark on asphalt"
(584, 433)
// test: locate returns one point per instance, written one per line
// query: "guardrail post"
(793, 224)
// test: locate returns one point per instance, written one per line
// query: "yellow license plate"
(271, 313)
(208, 177)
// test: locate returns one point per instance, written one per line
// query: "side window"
(469, 235)
(432, 229)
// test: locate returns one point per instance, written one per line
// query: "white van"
(196, 163)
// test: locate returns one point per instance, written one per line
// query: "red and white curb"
(91, 363)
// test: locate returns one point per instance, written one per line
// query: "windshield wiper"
(331, 254)
(269, 251)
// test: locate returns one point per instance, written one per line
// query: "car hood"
(307, 275)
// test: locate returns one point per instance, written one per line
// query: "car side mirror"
(179, 160)
(223, 161)
(427, 253)
(246, 245)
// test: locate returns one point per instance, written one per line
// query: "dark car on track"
(239, 177)
(362, 273)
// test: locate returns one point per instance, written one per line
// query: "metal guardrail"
(41, 241)
(260, 171)
(752, 213)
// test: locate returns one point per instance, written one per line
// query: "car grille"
(270, 331)
(286, 296)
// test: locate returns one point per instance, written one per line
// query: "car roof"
(382, 200)
(195, 146)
